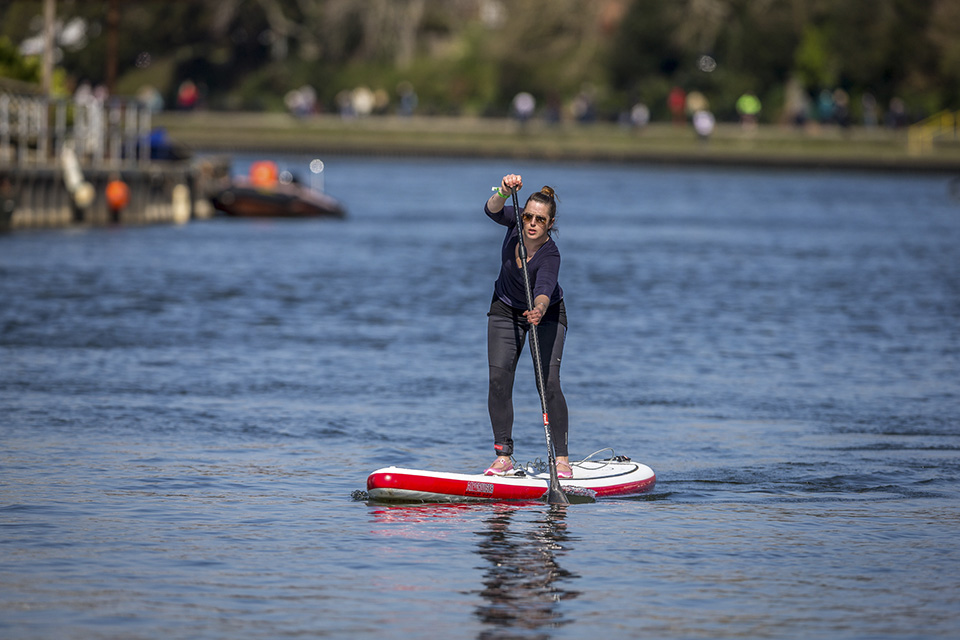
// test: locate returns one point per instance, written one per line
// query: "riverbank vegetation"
(869, 61)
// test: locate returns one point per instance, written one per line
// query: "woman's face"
(536, 220)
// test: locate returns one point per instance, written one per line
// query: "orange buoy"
(263, 173)
(118, 195)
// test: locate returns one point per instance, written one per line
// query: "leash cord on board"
(539, 465)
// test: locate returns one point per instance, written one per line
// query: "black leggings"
(505, 338)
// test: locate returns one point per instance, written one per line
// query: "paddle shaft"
(555, 495)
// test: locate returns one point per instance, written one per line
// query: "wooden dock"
(58, 158)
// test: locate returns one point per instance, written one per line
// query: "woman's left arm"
(545, 283)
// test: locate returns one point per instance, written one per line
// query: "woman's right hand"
(511, 183)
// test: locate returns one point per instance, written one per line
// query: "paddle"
(555, 494)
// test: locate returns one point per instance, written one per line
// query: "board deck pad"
(612, 477)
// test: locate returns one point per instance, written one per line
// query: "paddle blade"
(555, 494)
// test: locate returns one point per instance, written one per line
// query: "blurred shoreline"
(786, 147)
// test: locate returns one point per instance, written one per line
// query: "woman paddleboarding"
(510, 319)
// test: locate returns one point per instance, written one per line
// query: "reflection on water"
(524, 584)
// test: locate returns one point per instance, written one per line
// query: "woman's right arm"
(508, 185)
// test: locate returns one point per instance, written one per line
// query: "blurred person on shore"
(696, 101)
(677, 103)
(748, 106)
(584, 106)
(704, 124)
(408, 98)
(841, 108)
(381, 101)
(897, 114)
(553, 112)
(301, 102)
(825, 107)
(868, 104)
(639, 116)
(796, 108)
(363, 101)
(523, 107)
(187, 95)
(150, 97)
(344, 100)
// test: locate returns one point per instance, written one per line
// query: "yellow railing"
(921, 136)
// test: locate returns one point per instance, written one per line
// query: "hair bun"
(548, 191)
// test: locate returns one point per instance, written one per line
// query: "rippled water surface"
(187, 413)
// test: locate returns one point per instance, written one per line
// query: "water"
(186, 413)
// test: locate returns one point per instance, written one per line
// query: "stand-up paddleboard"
(616, 476)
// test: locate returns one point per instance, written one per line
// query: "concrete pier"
(38, 197)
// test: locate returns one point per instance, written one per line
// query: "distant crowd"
(685, 108)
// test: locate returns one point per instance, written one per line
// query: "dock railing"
(59, 157)
(108, 132)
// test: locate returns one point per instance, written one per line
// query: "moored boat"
(263, 194)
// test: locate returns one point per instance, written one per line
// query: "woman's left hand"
(536, 315)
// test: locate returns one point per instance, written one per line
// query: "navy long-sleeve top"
(544, 266)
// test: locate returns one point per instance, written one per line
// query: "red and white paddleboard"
(614, 477)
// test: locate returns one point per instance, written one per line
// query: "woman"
(509, 320)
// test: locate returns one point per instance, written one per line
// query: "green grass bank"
(661, 143)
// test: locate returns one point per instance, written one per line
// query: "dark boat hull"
(243, 200)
